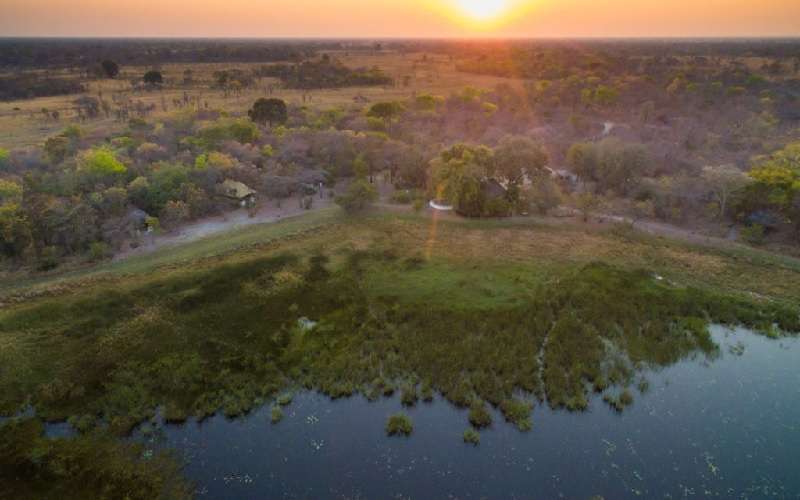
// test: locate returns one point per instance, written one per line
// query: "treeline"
(29, 86)
(325, 73)
(66, 53)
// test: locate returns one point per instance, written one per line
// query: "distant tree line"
(30, 86)
(325, 73)
(65, 53)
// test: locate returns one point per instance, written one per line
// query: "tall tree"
(723, 181)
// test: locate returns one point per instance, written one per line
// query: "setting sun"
(483, 10)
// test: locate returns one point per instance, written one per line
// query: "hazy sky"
(399, 18)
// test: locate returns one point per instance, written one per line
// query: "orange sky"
(397, 18)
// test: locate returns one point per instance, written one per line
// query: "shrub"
(359, 196)
(399, 425)
(49, 259)
(99, 251)
(99, 165)
(4, 156)
(753, 234)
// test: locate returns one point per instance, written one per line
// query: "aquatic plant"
(479, 416)
(285, 399)
(275, 414)
(408, 396)
(426, 392)
(626, 398)
(471, 436)
(92, 465)
(399, 425)
(517, 412)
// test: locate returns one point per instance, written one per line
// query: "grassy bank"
(481, 312)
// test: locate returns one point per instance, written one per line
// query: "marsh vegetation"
(228, 335)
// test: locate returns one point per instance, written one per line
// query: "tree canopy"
(153, 78)
(272, 111)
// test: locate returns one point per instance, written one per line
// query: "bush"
(99, 165)
(753, 234)
(4, 156)
(405, 196)
(399, 425)
(49, 258)
(359, 196)
(99, 251)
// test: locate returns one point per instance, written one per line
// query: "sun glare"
(483, 10)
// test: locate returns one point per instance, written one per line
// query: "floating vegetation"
(399, 425)
(619, 402)
(471, 436)
(737, 349)
(275, 414)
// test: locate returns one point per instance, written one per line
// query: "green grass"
(215, 246)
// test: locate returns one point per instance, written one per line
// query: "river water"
(726, 428)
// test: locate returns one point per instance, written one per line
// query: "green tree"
(99, 165)
(272, 111)
(57, 148)
(385, 110)
(458, 175)
(10, 192)
(777, 183)
(518, 157)
(15, 231)
(723, 182)
(153, 78)
(544, 195)
(583, 159)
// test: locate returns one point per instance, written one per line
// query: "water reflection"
(730, 428)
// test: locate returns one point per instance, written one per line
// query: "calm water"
(727, 429)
